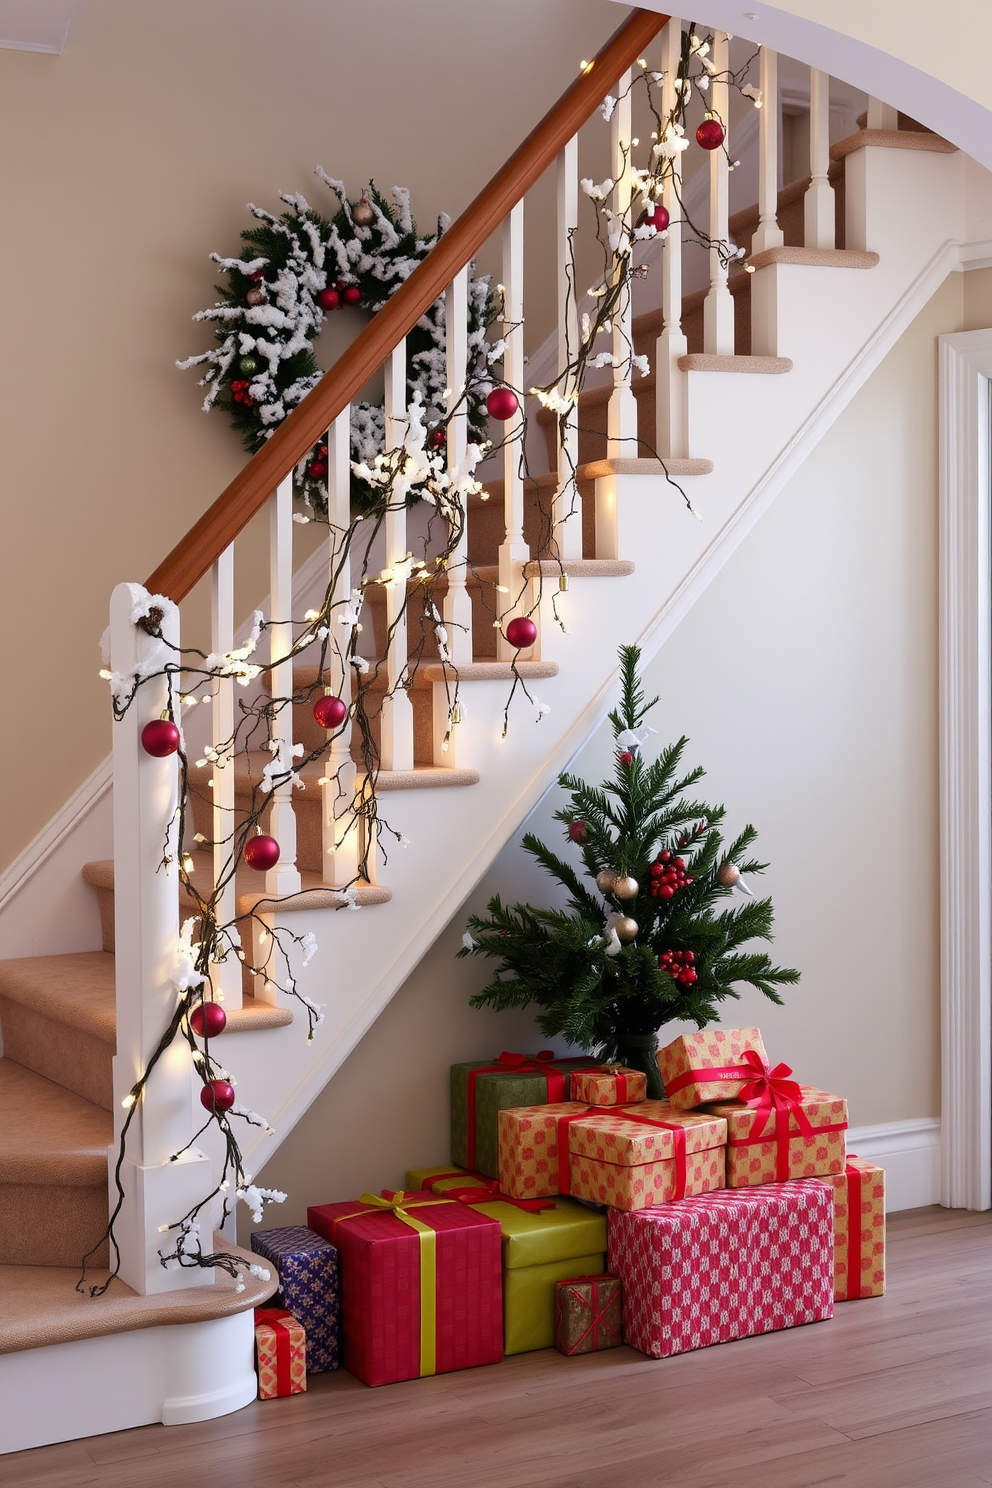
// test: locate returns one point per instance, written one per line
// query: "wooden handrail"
(193, 557)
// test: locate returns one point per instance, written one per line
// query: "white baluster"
(718, 307)
(146, 912)
(225, 975)
(622, 412)
(513, 551)
(396, 744)
(458, 604)
(340, 829)
(284, 878)
(882, 115)
(768, 234)
(672, 423)
(818, 204)
(567, 509)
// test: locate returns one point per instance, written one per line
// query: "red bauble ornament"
(626, 758)
(317, 469)
(217, 1095)
(208, 1019)
(437, 439)
(710, 135)
(521, 632)
(160, 738)
(502, 404)
(352, 295)
(329, 299)
(577, 831)
(329, 711)
(261, 852)
(654, 215)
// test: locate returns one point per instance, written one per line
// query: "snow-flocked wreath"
(277, 297)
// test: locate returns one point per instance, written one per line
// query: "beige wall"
(128, 159)
(806, 678)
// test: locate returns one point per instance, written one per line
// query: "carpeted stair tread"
(313, 894)
(39, 1305)
(76, 990)
(765, 366)
(891, 139)
(50, 1135)
(638, 465)
(250, 765)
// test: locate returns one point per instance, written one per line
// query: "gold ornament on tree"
(605, 879)
(626, 888)
(729, 876)
(626, 928)
(363, 212)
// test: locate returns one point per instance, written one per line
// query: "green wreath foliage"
(269, 316)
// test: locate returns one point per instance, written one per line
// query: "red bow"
(772, 1090)
(515, 1061)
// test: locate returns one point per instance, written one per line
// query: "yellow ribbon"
(428, 1265)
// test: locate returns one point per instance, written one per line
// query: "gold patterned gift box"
(611, 1085)
(626, 1157)
(588, 1314)
(710, 1065)
(281, 1349)
(554, 1239)
(775, 1143)
(859, 1230)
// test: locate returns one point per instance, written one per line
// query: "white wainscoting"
(909, 1151)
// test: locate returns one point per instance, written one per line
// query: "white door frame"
(966, 769)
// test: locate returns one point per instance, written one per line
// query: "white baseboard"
(909, 1151)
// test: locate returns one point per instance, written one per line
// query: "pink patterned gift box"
(724, 1265)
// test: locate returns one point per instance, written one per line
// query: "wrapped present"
(588, 1314)
(797, 1132)
(711, 1065)
(724, 1265)
(308, 1286)
(281, 1351)
(543, 1240)
(609, 1085)
(480, 1090)
(859, 1230)
(629, 1156)
(420, 1283)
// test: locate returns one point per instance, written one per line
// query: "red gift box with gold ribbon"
(421, 1283)
(281, 1352)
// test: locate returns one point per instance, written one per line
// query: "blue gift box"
(309, 1287)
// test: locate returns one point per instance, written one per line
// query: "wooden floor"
(894, 1392)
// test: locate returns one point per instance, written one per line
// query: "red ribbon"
(275, 1317)
(565, 1157)
(481, 1190)
(771, 1090)
(854, 1176)
(718, 1072)
(597, 1317)
(541, 1063)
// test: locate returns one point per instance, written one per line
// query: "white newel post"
(457, 601)
(672, 420)
(226, 974)
(718, 307)
(622, 412)
(567, 510)
(882, 115)
(768, 234)
(146, 910)
(819, 200)
(513, 550)
(340, 830)
(396, 746)
(284, 878)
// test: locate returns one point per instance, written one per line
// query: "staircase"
(734, 402)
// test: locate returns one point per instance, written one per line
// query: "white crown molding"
(35, 25)
(965, 611)
(910, 1152)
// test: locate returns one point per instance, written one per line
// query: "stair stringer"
(758, 431)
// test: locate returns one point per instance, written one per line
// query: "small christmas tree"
(662, 942)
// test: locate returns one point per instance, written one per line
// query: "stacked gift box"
(577, 1213)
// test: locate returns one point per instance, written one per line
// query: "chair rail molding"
(965, 618)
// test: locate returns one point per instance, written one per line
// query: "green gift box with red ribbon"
(484, 1087)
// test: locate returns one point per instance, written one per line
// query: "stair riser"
(42, 1225)
(68, 1056)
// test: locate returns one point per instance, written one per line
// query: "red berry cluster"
(679, 965)
(668, 875)
(240, 393)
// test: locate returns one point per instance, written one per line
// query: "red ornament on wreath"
(208, 1019)
(521, 632)
(217, 1096)
(328, 299)
(160, 738)
(710, 134)
(329, 711)
(262, 852)
(654, 215)
(352, 294)
(502, 404)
